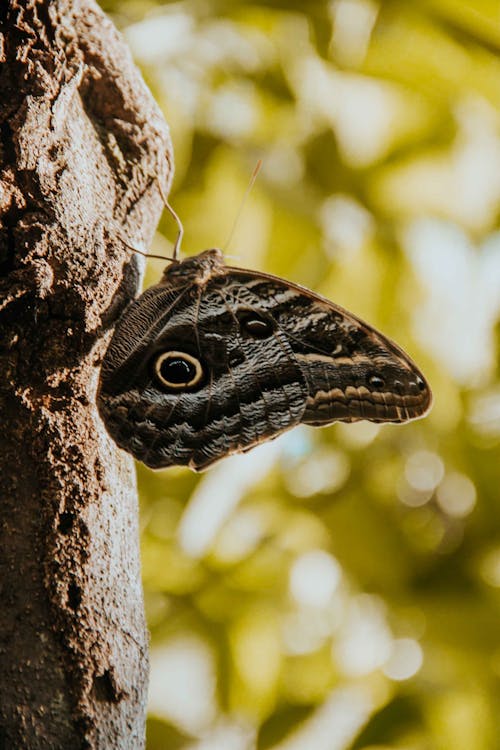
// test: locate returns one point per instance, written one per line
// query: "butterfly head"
(196, 269)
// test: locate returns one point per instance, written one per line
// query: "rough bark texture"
(81, 143)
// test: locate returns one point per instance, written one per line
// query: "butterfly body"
(214, 360)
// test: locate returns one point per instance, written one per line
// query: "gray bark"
(81, 141)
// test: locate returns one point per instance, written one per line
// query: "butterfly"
(214, 360)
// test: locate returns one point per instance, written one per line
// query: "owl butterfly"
(214, 360)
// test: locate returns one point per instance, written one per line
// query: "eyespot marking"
(375, 381)
(177, 370)
(420, 383)
(255, 325)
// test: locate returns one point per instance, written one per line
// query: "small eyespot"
(375, 381)
(256, 326)
(420, 383)
(177, 370)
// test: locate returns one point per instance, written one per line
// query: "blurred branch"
(81, 140)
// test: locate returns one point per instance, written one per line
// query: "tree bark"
(81, 144)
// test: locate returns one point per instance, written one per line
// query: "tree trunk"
(81, 144)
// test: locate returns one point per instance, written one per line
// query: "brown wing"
(352, 371)
(214, 360)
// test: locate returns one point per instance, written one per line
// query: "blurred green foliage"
(340, 588)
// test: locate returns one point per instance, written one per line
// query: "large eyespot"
(255, 325)
(177, 370)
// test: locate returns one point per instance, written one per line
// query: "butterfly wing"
(352, 371)
(214, 360)
(251, 386)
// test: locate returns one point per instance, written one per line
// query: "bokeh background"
(337, 589)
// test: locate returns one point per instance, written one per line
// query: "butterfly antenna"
(180, 234)
(141, 252)
(242, 204)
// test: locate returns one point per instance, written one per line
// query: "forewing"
(351, 370)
